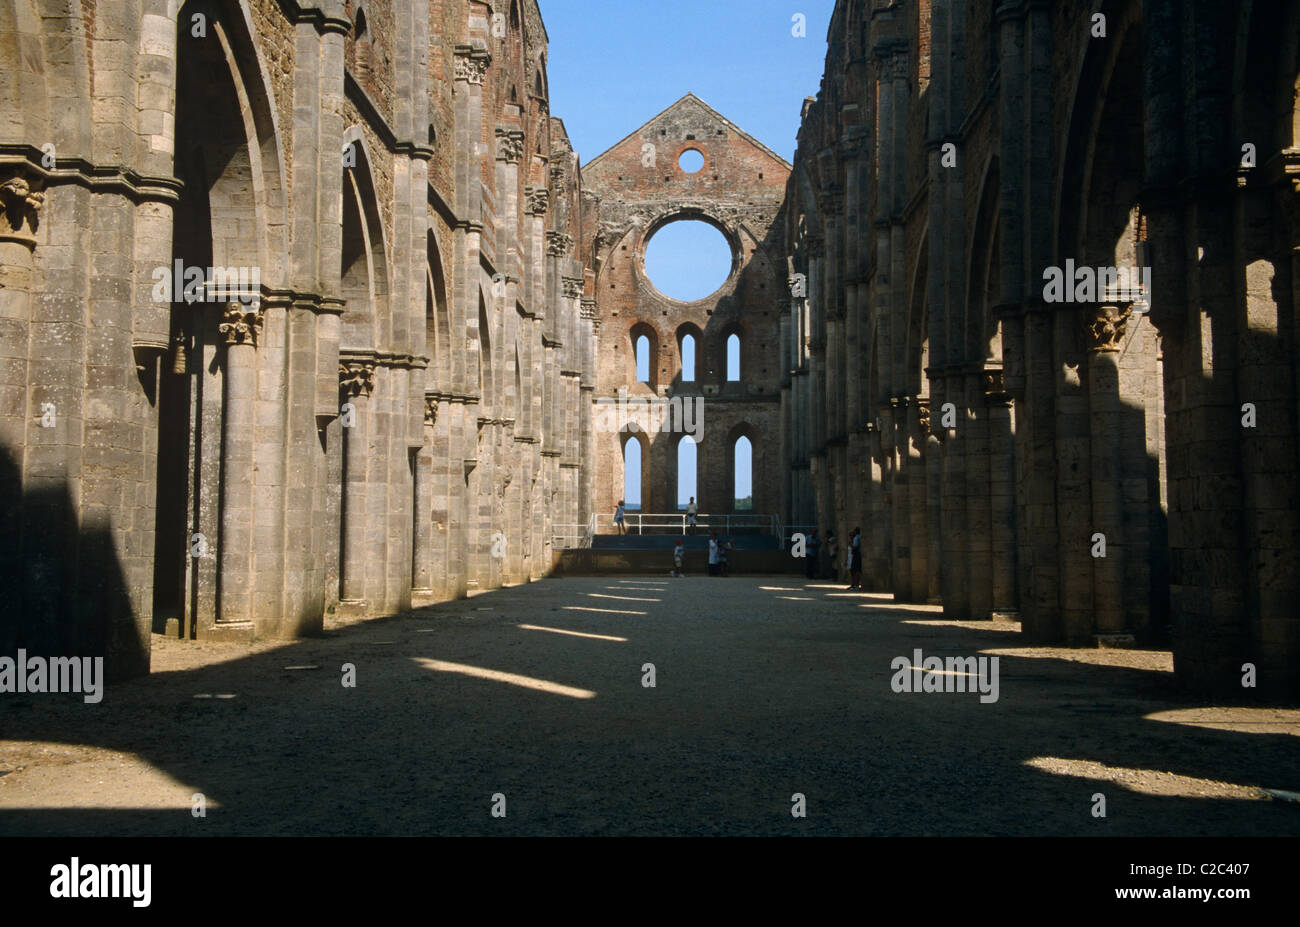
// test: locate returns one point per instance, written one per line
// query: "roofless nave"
(399, 405)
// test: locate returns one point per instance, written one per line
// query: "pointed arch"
(983, 271)
(487, 391)
(916, 353)
(635, 467)
(437, 317)
(223, 69)
(741, 447)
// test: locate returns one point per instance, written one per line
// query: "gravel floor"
(765, 687)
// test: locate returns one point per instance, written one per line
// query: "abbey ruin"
(308, 308)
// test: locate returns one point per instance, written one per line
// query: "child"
(678, 553)
(618, 517)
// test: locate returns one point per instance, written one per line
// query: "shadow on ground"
(774, 687)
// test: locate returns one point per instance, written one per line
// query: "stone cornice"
(384, 358)
(324, 23)
(101, 178)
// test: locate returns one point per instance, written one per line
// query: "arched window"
(642, 359)
(743, 475)
(733, 358)
(632, 473)
(687, 454)
(688, 358)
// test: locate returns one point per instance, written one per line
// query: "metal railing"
(567, 537)
(676, 523)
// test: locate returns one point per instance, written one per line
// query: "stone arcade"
(925, 279)
(405, 396)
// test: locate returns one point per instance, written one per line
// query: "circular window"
(690, 160)
(687, 259)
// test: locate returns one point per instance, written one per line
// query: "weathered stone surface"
(959, 155)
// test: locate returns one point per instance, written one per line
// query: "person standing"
(692, 511)
(725, 546)
(713, 554)
(679, 552)
(832, 552)
(618, 517)
(811, 550)
(855, 559)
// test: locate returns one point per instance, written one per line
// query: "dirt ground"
(531, 700)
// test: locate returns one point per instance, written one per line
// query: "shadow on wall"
(65, 586)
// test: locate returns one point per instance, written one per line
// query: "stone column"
(1104, 330)
(956, 575)
(979, 513)
(1002, 496)
(240, 326)
(894, 424)
(877, 534)
(357, 382)
(1040, 569)
(934, 514)
(422, 542)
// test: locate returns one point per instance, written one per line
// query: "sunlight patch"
(1164, 784)
(513, 679)
(598, 637)
(1237, 720)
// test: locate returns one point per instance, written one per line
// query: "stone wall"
(379, 411)
(635, 188)
(1086, 461)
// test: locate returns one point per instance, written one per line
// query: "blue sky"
(612, 66)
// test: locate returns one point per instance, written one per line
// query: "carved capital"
(536, 200)
(1105, 326)
(356, 377)
(573, 287)
(815, 245)
(240, 324)
(19, 204)
(430, 410)
(588, 310)
(891, 61)
(558, 244)
(510, 145)
(991, 381)
(923, 414)
(471, 63)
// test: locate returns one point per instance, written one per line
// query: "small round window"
(690, 160)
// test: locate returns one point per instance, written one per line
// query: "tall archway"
(687, 472)
(742, 475)
(227, 158)
(635, 461)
